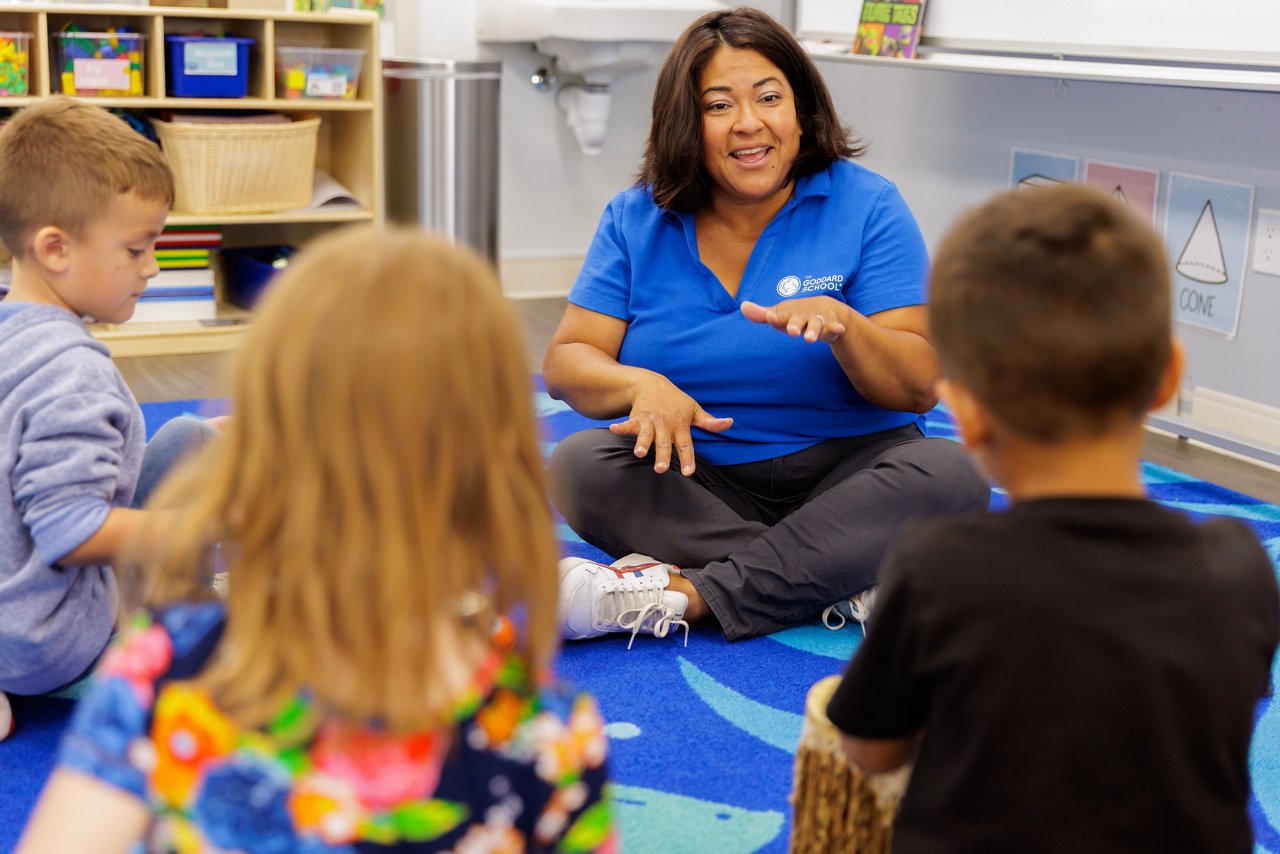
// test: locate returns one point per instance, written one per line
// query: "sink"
(591, 42)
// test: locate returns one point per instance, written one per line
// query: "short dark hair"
(1053, 307)
(673, 166)
(62, 161)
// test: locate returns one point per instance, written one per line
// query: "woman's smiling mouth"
(751, 155)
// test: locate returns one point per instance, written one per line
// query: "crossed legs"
(764, 545)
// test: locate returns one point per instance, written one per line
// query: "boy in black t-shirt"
(1079, 673)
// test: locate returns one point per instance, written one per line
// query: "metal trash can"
(440, 138)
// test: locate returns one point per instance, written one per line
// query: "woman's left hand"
(886, 356)
(811, 318)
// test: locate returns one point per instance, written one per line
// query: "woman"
(760, 295)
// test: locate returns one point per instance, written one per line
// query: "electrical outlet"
(1266, 243)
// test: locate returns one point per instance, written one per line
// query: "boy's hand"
(880, 755)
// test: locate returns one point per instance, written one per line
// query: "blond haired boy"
(83, 198)
(1080, 672)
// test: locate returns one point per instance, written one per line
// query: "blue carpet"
(702, 745)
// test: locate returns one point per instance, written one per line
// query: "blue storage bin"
(247, 271)
(208, 66)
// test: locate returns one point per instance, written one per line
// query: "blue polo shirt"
(846, 233)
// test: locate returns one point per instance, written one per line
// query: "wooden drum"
(836, 807)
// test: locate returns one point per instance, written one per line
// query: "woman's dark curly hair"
(673, 162)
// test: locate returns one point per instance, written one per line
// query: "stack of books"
(184, 288)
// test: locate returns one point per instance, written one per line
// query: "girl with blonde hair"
(378, 499)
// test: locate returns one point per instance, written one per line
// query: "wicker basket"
(240, 168)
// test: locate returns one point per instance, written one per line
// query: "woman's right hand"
(581, 367)
(661, 418)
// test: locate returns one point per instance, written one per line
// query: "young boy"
(1080, 672)
(82, 200)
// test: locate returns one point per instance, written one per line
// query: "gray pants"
(771, 543)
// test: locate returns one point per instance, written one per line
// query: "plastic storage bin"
(240, 168)
(247, 271)
(15, 63)
(99, 63)
(318, 72)
(208, 66)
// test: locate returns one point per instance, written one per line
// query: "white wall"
(551, 195)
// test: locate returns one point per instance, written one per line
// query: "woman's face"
(750, 133)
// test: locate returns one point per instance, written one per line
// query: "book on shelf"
(154, 294)
(192, 278)
(189, 237)
(169, 262)
(186, 308)
(889, 28)
(163, 252)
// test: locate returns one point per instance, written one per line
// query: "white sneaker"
(629, 596)
(856, 608)
(6, 717)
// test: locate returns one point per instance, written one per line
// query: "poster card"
(1029, 168)
(1136, 187)
(1207, 235)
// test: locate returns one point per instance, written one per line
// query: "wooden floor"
(193, 377)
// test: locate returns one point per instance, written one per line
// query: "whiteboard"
(820, 19)
(1226, 29)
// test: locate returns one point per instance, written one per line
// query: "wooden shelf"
(1255, 78)
(169, 338)
(298, 216)
(348, 146)
(356, 17)
(146, 102)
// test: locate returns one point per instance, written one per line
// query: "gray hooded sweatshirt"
(71, 442)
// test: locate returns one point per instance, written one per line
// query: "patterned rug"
(703, 738)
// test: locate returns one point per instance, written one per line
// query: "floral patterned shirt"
(523, 769)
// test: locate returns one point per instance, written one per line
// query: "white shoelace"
(666, 618)
(642, 597)
(860, 607)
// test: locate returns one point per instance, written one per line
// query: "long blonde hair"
(382, 469)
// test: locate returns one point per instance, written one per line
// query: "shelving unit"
(349, 145)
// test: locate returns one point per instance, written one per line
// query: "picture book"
(889, 28)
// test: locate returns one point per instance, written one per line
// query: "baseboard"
(1236, 414)
(1233, 426)
(538, 278)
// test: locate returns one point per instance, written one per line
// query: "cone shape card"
(1201, 259)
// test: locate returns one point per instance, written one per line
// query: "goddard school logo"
(789, 286)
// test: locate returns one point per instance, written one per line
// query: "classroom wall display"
(950, 151)
(1041, 168)
(1137, 188)
(1207, 225)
